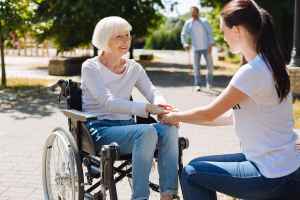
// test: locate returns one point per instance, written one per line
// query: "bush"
(167, 36)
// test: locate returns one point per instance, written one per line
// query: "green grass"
(235, 59)
(25, 83)
(296, 112)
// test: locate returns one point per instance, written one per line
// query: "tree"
(166, 36)
(14, 15)
(282, 12)
(70, 23)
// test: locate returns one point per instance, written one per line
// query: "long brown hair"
(259, 24)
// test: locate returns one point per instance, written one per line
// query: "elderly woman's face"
(120, 42)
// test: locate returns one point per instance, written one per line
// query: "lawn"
(26, 83)
(296, 111)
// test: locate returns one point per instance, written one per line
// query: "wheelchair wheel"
(62, 169)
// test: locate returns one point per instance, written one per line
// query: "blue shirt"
(197, 33)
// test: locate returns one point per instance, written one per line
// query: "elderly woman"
(107, 83)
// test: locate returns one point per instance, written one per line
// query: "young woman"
(258, 103)
(107, 83)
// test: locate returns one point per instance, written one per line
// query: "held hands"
(161, 110)
(170, 118)
(171, 110)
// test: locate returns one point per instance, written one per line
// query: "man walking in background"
(196, 35)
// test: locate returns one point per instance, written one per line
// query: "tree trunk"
(131, 52)
(131, 48)
(95, 51)
(3, 77)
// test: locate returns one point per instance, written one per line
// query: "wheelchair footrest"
(97, 196)
(93, 168)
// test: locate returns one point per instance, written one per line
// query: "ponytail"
(268, 46)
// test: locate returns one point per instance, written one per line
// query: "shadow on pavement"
(151, 64)
(166, 78)
(33, 102)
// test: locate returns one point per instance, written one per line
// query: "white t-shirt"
(106, 94)
(263, 124)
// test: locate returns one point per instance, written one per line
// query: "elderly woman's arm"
(95, 86)
(149, 91)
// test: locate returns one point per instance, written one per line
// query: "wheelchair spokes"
(60, 170)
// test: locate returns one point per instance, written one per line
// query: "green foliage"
(213, 19)
(167, 36)
(71, 23)
(282, 12)
(14, 16)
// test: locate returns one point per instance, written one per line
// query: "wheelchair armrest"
(78, 116)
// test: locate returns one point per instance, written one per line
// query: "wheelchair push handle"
(63, 86)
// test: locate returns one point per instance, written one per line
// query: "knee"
(148, 133)
(169, 131)
(186, 173)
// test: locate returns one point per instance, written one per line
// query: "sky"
(182, 7)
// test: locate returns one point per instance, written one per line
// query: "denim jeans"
(141, 140)
(235, 176)
(196, 66)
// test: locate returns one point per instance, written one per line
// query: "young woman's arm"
(223, 120)
(209, 115)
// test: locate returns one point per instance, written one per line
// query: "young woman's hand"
(170, 118)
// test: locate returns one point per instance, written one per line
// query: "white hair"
(105, 28)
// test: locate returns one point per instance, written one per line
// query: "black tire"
(65, 180)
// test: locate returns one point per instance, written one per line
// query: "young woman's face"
(120, 42)
(231, 36)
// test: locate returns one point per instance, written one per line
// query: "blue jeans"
(141, 140)
(196, 66)
(235, 176)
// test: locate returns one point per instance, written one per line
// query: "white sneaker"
(208, 86)
(198, 88)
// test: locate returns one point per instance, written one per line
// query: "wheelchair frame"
(80, 149)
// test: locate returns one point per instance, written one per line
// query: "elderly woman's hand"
(156, 109)
(170, 108)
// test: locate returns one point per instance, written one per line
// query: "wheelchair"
(73, 168)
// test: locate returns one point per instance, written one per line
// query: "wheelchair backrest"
(74, 98)
(72, 92)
